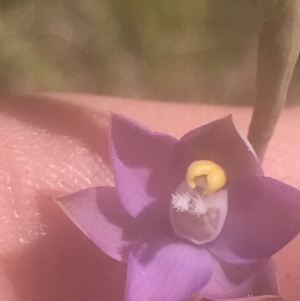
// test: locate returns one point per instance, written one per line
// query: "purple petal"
(163, 270)
(144, 169)
(238, 281)
(100, 215)
(219, 141)
(263, 216)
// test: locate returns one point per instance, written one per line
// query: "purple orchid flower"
(189, 216)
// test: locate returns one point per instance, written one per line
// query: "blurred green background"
(192, 50)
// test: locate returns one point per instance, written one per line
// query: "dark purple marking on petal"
(146, 169)
(175, 272)
(231, 281)
(220, 142)
(263, 217)
(100, 215)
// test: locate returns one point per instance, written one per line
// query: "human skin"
(54, 144)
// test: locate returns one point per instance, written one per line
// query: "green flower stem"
(278, 50)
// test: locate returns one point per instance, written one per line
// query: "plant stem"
(278, 50)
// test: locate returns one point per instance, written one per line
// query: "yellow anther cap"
(214, 173)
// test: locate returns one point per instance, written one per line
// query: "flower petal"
(164, 270)
(144, 169)
(263, 216)
(238, 281)
(100, 215)
(220, 141)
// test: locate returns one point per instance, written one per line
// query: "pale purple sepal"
(263, 217)
(220, 142)
(166, 270)
(100, 215)
(144, 169)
